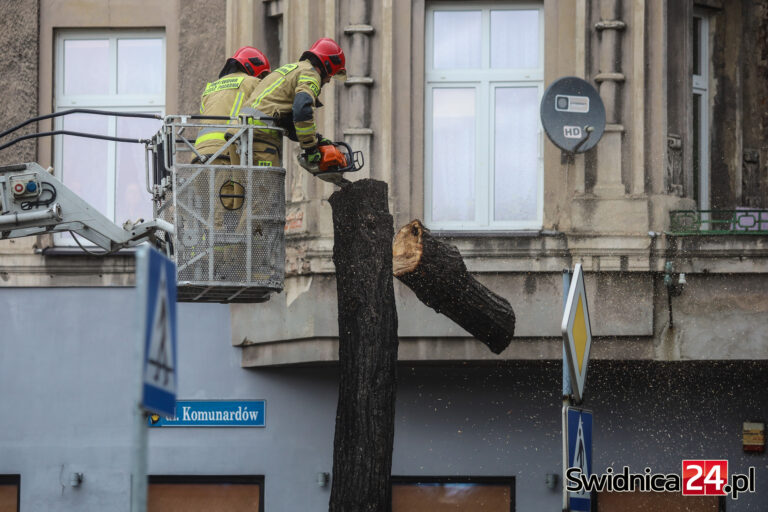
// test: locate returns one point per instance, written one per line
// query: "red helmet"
(253, 61)
(330, 55)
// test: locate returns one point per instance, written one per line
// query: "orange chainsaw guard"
(331, 158)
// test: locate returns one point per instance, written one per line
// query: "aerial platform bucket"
(229, 243)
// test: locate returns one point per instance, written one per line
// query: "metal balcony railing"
(740, 221)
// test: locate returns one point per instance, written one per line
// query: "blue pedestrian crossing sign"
(577, 428)
(156, 286)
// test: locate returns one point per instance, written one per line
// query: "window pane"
(457, 39)
(139, 66)
(132, 201)
(516, 154)
(451, 497)
(696, 46)
(84, 161)
(453, 155)
(86, 66)
(514, 39)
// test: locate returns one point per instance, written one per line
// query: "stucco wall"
(18, 75)
(201, 49)
(719, 317)
(534, 297)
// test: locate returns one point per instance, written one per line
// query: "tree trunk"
(437, 275)
(365, 414)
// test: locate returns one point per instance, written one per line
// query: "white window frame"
(144, 103)
(484, 81)
(700, 86)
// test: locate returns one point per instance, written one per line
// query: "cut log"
(436, 273)
(365, 414)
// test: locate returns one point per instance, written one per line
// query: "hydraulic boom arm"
(34, 202)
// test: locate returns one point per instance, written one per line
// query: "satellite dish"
(572, 114)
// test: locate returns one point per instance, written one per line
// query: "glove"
(303, 159)
(322, 141)
(312, 155)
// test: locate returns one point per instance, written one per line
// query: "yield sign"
(156, 283)
(577, 333)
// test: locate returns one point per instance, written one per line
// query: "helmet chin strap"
(319, 67)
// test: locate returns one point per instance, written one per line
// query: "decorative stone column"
(239, 15)
(357, 105)
(609, 182)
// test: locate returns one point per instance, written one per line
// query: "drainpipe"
(610, 79)
(357, 104)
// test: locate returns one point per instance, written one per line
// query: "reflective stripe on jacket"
(275, 97)
(224, 97)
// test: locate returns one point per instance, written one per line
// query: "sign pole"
(139, 463)
(139, 472)
(155, 356)
(566, 392)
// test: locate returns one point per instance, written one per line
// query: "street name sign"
(156, 285)
(577, 333)
(213, 413)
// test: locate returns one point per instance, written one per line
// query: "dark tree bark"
(362, 253)
(436, 273)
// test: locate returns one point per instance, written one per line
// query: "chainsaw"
(336, 158)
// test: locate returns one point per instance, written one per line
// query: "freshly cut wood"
(365, 414)
(436, 273)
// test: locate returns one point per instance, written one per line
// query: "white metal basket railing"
(229, 214)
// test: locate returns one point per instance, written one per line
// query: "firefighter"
(225, 97)
(238, 78)
(289, 95)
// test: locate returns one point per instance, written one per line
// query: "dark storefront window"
(9, 493)
(205, 494)
(436, 494)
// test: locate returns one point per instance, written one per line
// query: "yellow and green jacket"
(289, 95)
(224, 97)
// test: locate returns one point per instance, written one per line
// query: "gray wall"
(18, 75)
(67, 379)
(505, 420)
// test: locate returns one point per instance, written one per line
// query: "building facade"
(667, 215)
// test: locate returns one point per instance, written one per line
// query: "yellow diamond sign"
(577, 334)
